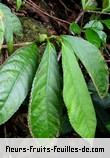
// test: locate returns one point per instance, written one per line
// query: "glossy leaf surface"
(93, 61)
(76, 96)
(44, 118)
(16, 76)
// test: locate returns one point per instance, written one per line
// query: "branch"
(97, 12)
(17, 45)
(79, 16)
(36, 7)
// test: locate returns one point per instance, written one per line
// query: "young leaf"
(18, 4)
(44, 118)
(106, 6)
(93, 37)
(74, 28)
(83, 3)
(16, 76)
(76, 96)
(89, 4)
(107, 23)
(94, 24)
(93, 61)
(102, 35)
(95, 29)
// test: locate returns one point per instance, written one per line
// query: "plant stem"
(97, 12)
(17, 45)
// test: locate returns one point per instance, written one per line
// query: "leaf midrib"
(47, 83)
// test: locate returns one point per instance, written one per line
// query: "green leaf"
(12, 25)
(74, 28)
(93, 61)
(18, 4)
(107, 23)
(15, 24)
(106, 6)
(93, 37)
(105, 3)
(9, 39)
(76, 96)
(96, 37)
(89, 4)
(94, 24)
(44, 109)
(83, 3)
(2, 30)
(102, 35)
(96, 29)
(4, 8)
(16, 76)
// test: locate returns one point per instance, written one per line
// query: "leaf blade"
(13, 23)
(18, 4)
(43, 118)
(76, 97)
(93, 37)
(106, 23)
(89, 4)
(106, 6)
(93, 61)
(74, 28)
(14, 83)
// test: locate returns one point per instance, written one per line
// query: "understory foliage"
(55, 86)
(93, 5)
